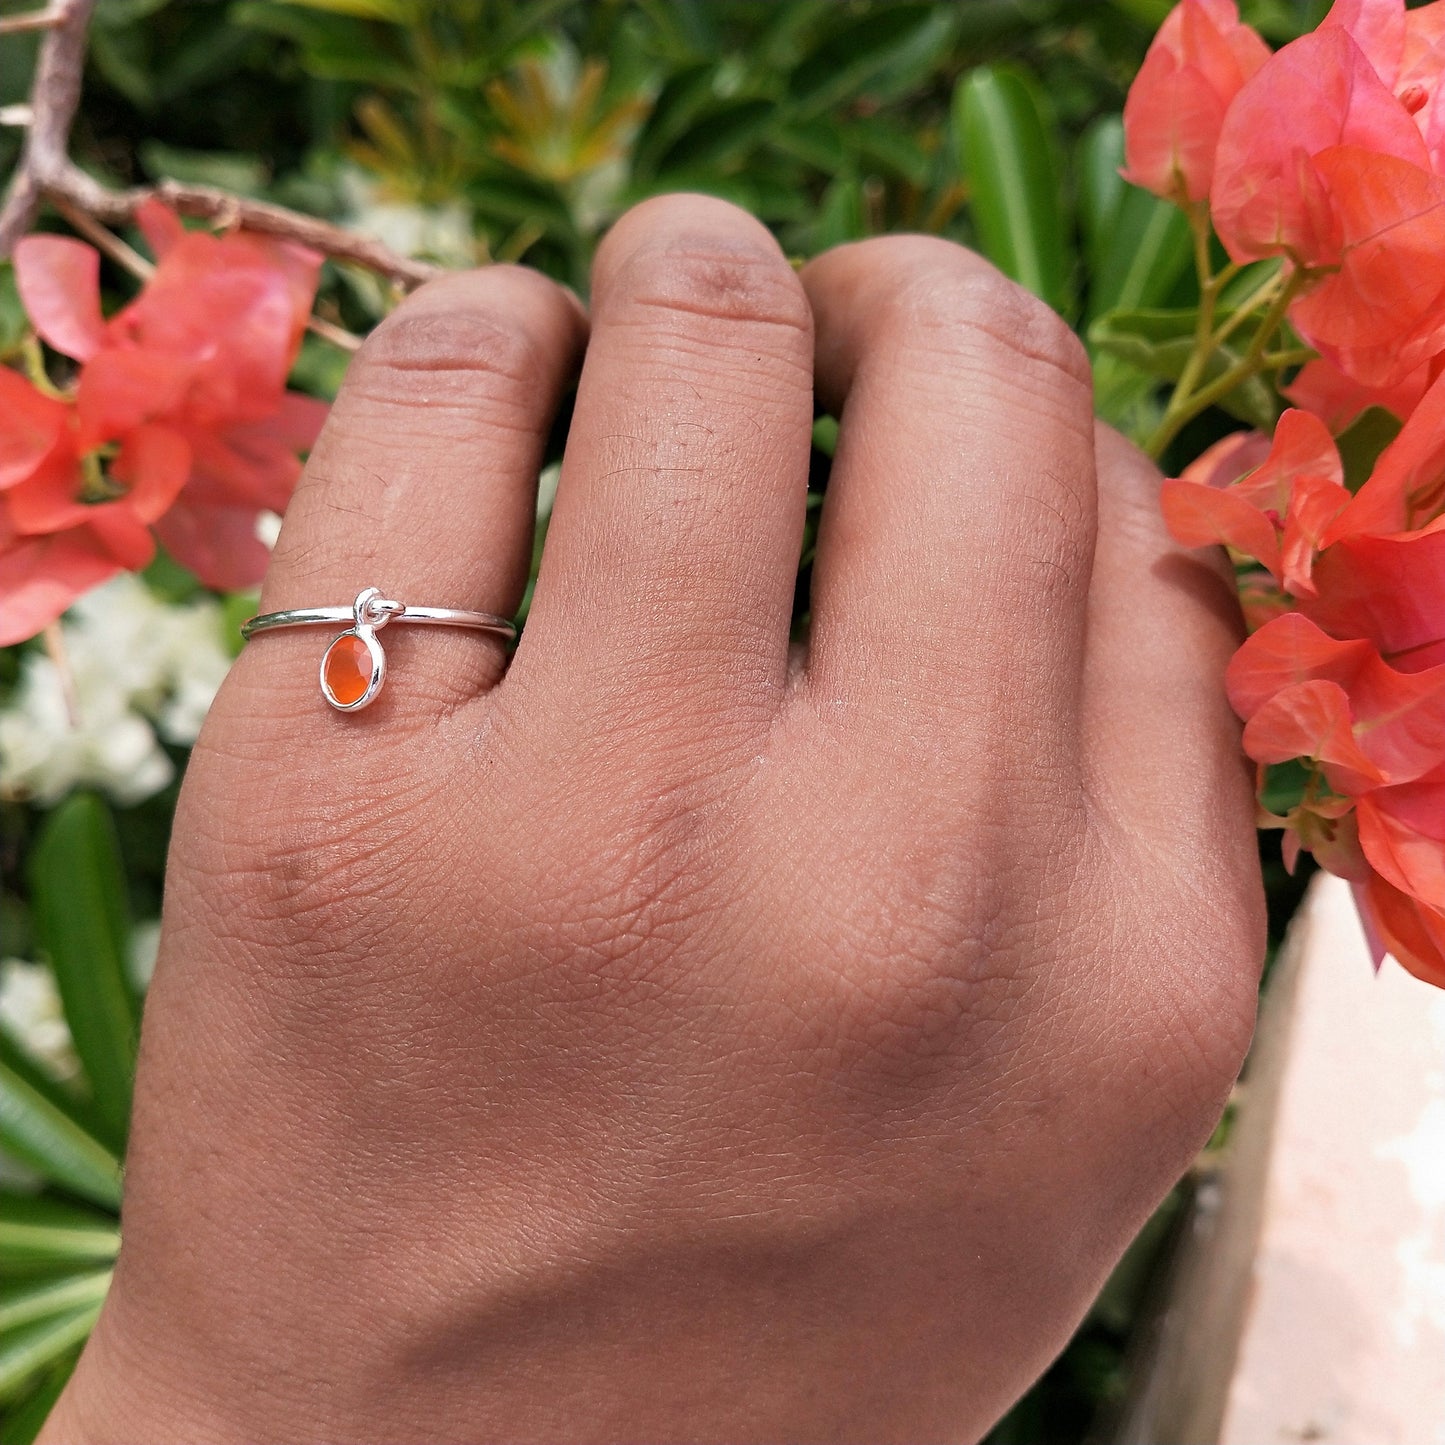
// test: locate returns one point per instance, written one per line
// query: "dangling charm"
(353, 668)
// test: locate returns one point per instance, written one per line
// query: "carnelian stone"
(347, 669)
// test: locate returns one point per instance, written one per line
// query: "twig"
(336, 335)
(46, 172)
(131, 260)
(46, 19)
(105, 241)
(55, 646)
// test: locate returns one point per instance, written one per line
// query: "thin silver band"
(424, 616)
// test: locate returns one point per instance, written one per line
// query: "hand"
(678, 1037)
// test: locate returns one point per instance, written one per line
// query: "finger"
(670, 559)
(957, 536)
(423, 483)
(1161, 740)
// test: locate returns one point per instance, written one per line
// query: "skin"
(686, 1037)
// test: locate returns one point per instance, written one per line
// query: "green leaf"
(41, 1300)
(78, 894)
(1151, 12)
(1285, 785)
(246, 174)
(30, 1349)
(842, 216)
(1160, 342)
(39, 1134)
(42, 1233)
(1362, 442)
(21, 1423)
(397, 12)
(14, 324)
(1101, 187)
(1127, 398)
(1014, 196)
(1145, 251)
(61, 1094)
(719, 134)
(884, 53)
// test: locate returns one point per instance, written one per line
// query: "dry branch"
(46, 172)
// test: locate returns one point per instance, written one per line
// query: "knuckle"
(713, 282)
(453, 345)
(950, 298)
(937, 974)
(976, 304)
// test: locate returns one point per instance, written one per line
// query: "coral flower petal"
(30, 426)
(59, 282)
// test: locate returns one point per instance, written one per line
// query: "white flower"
(443, 232)
(30, 1010)
(136, 665)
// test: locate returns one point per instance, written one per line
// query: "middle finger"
(667, 578)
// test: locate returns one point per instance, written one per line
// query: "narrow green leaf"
(1014, 194)
(78, 896)
(39, 1134)
(42, 1233)
(884, 53)
(1100, 186)
(33, 1347)
(23, 1304)
(1143, 255)
(63, 1095)
(32, 1244)
(397, 12)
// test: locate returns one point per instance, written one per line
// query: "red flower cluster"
(1330, 155)
(178, 426)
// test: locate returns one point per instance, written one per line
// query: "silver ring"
(353, 667)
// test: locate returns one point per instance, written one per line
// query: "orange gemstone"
(347, 669)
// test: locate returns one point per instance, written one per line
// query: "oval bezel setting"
(367, 637)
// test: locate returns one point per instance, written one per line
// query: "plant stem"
(1260, 296)
(1209, 287)
(1187, 402)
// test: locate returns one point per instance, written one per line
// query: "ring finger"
(423, 484)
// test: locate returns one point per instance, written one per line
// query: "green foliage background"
(518, 130)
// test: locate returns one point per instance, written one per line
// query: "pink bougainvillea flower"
(1402, 832)
(1338, 399)
(1380, 573)
(180, 418)
(1379, 314)
(1406, 489)
(1417, 82)
(1318, 93)
(1195, 67)
(1390, 590)
(1293, 682)
(1319, 161)
(1278, 513)
(1413, 932)
(64, 523)
(59, 283)
(1312, 720)
(1407, 50)
(1377, 27)
(1224, 462)
(40, 576)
